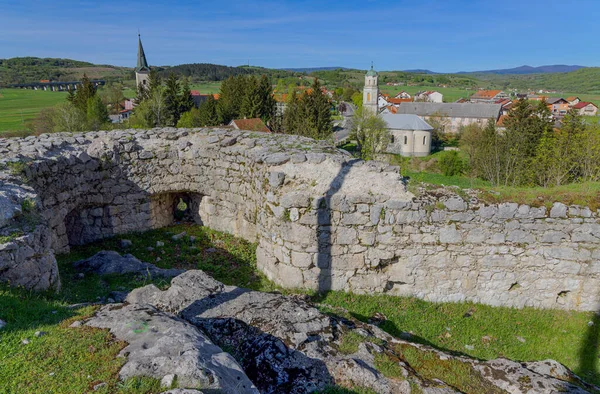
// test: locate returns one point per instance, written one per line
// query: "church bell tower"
(142, 70)
(371, 92)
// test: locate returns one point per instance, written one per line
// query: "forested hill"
(585, 80)
(356, 78)
(199, 72)
(33, 69)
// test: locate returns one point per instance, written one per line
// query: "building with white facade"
(371, 92)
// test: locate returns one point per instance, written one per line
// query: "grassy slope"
(18, 106)
(493, 332)
(450, 94)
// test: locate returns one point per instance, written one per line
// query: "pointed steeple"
(142, 63)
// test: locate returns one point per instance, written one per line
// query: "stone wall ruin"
(322, 220)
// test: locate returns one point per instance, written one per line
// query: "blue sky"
(440, 35)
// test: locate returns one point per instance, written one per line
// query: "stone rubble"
(109, 262)
(285, 345)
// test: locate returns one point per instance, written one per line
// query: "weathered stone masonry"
(322, 219)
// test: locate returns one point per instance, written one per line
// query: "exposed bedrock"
(322, 220)
(285, 345)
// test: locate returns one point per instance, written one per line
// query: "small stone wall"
(322, 219)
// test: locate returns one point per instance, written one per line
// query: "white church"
(411, 135)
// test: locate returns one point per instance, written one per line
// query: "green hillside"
(34, 69)
(585, 80)
(355, 78)
(204, 72)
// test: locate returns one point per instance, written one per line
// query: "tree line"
(307, 113)
(530, 151)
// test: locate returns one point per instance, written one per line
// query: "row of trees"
(530, 151)
(240, 97)
(307, 113)
(84, 110)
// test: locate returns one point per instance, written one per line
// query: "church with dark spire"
(142, 70)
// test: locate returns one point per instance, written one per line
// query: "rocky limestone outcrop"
(322, 219)
(161, 345)
(285, 345)
(110, 262)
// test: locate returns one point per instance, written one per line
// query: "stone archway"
(169, 208)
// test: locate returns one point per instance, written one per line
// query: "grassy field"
(18, 106)
(450, 94)
(67, 360)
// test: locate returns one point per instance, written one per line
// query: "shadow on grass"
(588, 352)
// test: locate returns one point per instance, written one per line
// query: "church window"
(368, 96)
(424, 140)
(143, 81)
(405, 140)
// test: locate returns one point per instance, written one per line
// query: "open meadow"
(450, 94)
(18, 106)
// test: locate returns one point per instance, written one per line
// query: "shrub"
(451, 164)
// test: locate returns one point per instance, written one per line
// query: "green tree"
(318, 109)
(251, 99)
(451, 163)
(113, 95)
(97, 114)
(171, 97)
(186, 101)
(232, 93)
(357, 99)
(371, 133)
(84, 92)
(68, 118)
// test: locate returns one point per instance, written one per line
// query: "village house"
(254, 124)
(382, 101)
(410, 135)
(200, 98)
(586, 109)
(506, 104)
(453, 115)
(403, 95)
(573, 100)
(429, 96)
(488, 96)
(558, 106)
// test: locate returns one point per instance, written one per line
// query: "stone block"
(559, 210)
(449, 234)
(346, 236)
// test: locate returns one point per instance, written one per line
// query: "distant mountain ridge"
(311, 69)
(522, 70)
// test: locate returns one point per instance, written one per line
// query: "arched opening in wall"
(87, 224)
(177, 207)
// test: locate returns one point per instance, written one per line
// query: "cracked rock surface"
(160, 344)
(285, 345)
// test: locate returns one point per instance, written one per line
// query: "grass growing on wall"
(62, 360)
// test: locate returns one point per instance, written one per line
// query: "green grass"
(455, 373)
(74, 354)
(18, 106)
(491, 331)
(438, 179)
(450, 94)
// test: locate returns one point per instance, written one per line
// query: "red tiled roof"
(194, 93)
(254, 124)
(486, 94)
(572, 98)
(399, 100)
(583, 104)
